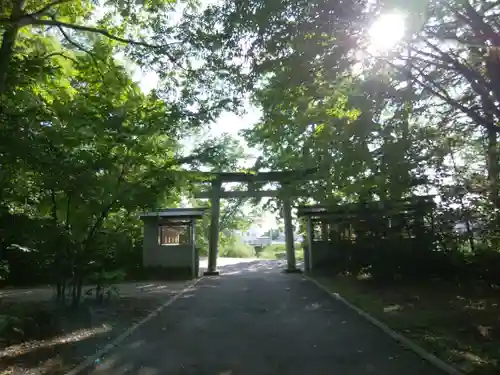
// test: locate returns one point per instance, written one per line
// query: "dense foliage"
(232, 218)
(421, 118)
(82, 148)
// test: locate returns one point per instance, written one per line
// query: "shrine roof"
(176, 213)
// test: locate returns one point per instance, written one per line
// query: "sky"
(227, 122)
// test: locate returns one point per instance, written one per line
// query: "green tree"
(83, 150)
(233, 217)
(73, 18)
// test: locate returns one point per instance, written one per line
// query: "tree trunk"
(63, 291)
(57, 264)
(470, 234)
(99, 293)
(58, 289)
(8, 42)
(400, 171)
(493, 186)
(73, 290)
(79, 287)
(76, 295)
(492, 157)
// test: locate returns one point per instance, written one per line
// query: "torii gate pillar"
(214, 229)
(217, 193)
(289, 240)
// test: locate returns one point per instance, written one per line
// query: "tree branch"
(81, 48)
(33, 19)
(61, 54)
(476, 80)
(489, 7)
(446, 98)
(477, 23)
(104, 32)
(105, 212)
(228, 212)
(47, 7)
(192, 158)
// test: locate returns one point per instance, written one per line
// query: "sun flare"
(386, 31)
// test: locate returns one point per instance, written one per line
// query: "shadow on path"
(255, 320)
(261, 266)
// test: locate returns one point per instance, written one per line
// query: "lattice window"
(173, 234)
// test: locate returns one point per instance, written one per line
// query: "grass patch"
(459, 324)
(278, 251)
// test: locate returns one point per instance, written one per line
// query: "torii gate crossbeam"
(216, 193)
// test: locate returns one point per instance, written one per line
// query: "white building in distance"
(254, 237)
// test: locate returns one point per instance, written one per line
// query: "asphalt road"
(255, 320)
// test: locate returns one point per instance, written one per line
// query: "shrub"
(237, 249)
(278, 251)
(27, 321)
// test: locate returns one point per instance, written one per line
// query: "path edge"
(89, 361)
(406, 342)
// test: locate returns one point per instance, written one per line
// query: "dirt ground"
(130, 289)
(79, 334)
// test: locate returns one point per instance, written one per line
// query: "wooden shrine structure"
(253, 181)
(169, 247)
(341, 233)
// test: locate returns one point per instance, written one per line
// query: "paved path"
(255, 320)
